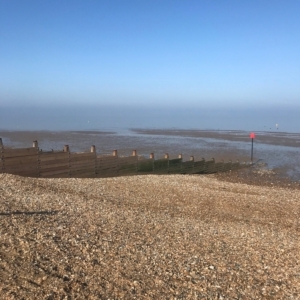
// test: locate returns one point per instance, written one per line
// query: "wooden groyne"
(33, 162)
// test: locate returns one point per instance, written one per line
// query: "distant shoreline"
(265, 137)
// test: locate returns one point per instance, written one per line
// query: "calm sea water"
(121, 118)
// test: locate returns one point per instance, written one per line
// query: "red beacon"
(252, 136)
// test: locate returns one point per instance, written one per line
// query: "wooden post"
(180, 157)
(152, 157)
(1, 158)
(115, 154)
(67, 150)
(36, 145)
(93, 150)
(167, 157)
(134, 154)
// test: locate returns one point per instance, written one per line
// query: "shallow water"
(274, 149)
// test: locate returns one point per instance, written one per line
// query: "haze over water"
(119, 118)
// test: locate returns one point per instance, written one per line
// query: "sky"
(157, 53)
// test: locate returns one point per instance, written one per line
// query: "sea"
(223, 134)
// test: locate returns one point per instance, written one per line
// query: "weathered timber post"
(230, 161)
(134, 153)
(167, 157)
(192, 159)
(115, 154)
(1, 157)
(36, 145)
(152, 157)
(222, 167)
(237, 164)
(67, 150)
(213, 167)
(180, 157)
(93, 150)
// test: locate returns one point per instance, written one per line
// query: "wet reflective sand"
(279, 150)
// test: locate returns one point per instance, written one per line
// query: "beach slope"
(148, 237)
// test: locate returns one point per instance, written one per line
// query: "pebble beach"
(218, 236)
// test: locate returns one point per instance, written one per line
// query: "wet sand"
(271, 137)
(279, 151)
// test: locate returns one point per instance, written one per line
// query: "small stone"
(66, 278)
(211, 267)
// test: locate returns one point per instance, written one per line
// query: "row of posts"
(115, 152)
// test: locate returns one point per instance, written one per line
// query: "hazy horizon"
(107, 117)
(203, 64)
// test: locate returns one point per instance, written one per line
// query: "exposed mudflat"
(279, 150)
(265, 137)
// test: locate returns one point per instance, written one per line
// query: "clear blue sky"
(190, 53)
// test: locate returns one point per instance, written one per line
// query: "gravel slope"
(148, 237)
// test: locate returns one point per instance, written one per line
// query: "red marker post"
(252, 137)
